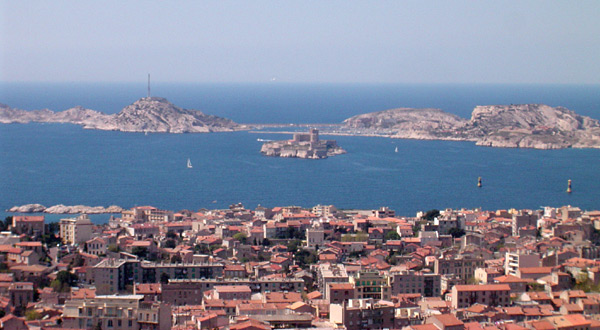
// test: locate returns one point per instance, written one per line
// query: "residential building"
(462, 266)
(360, 314)
(330, 273)
(315, 237)
(445, 322)
(487, 294)
(324, 211)
(515, 260)
(426, 284)
(232, 292)
(96, 246)
(32, 225)
(523, 219)
(116, 312)
(76, 230)
(187, 292)
(339, 293)
(370, 284)
(146, 214)
(112, 276)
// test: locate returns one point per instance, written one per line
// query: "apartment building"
(116, 312)
(461, 266)
(370, 284)
(76, 230)
(330, 273)
(29, 224)
(338, 293)
(515, 260)
(188, 292)
(487, 294)
(146, 214)
(315, 237)
(522, 220)
(360, 314)
(426, 284)
(111, 276)
(232, 292)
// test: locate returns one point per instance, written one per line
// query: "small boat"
(396, 149)
(263, 140)
(189, 163)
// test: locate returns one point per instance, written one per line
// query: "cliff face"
(152, 114)
(518, 126)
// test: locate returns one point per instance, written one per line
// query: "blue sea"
(65, 164)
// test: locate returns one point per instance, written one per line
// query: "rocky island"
(535, 126)
(148, 114)
(63, 209)
(303, 145)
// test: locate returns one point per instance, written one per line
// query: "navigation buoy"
(479, 182)
(569, 190)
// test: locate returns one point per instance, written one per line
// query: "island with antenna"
(148, 114)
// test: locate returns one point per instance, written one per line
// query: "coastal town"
(311, 268)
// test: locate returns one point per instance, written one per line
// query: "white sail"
(396, 149)
(189, 163)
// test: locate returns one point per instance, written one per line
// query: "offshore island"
(148, 114)
(536, 126)
(303, 145)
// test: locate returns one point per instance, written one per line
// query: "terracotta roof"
(484, 287)
(341, 286)
(232, 288)
(448, 320)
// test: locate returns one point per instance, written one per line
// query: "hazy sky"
(301, 41)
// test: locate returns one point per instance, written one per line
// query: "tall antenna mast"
(148, 85)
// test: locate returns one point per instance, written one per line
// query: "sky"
(549, 42)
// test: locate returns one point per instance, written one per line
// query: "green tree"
(176, 259)
(392, 235)
(32, 314)
(164, 278)
(242, 237)
(4, 225)
(358, 237)
(140, 251)
(170, 243)
(64, 281)
(292, 245)
(431, 214)
(456, 232)
(114, 248)
(266, 242)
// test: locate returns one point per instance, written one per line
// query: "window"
(109, 323)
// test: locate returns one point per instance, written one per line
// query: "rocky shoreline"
(63, 209)
(535, 126)
(147, 115)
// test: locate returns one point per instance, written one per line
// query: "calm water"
(64, 164)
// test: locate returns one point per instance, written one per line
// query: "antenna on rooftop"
(148, 85)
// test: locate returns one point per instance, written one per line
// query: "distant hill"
(149, 114)
(536, 126)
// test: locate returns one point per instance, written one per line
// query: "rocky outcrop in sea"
(535, 126)
(303, 145)
(149, 114)
(63, 209)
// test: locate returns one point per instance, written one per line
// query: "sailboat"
(396, 149)
(189, 163)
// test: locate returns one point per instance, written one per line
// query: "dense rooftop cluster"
(292, 267)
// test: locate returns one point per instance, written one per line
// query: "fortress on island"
(303, 145)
